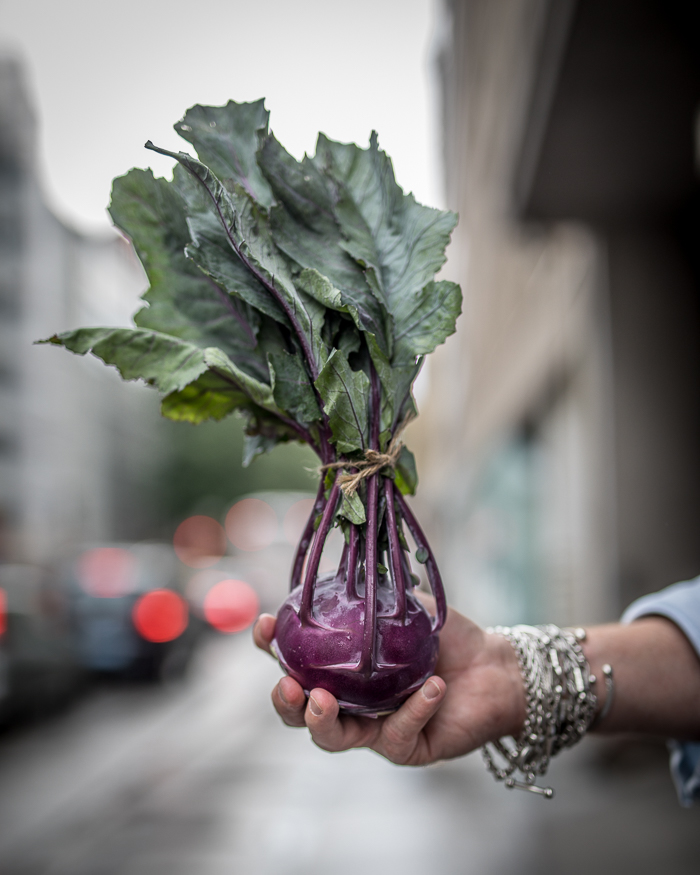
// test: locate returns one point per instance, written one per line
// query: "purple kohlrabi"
(360, 632)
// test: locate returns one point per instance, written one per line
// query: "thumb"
(400, 732)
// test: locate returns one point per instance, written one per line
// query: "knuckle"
(395, 737)
(290, 716)
(326, 745)
(398, 756)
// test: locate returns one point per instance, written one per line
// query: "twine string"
(372, 463)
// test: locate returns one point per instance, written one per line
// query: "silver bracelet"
(560, 704)
(609, 696)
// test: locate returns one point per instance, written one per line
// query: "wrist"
(598, 656)
(514, 703)
(657, 677)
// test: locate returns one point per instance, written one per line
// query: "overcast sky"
(107, 76)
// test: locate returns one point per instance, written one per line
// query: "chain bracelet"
(559, 704)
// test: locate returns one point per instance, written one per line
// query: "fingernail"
(280, 692)
(431, 690)
(314, 707)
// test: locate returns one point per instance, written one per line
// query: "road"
(201, 778)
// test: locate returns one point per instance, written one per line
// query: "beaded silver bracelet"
(560, 703)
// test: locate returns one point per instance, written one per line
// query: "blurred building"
(560, 443)
(75, 443)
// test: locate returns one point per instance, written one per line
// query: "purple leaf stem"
(370, 623)
(307, 596)
(375, 408)
(307, 534)
(431, 564)
(353, 555)
(397, 570)
(371, 574)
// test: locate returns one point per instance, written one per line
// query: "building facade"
(76, 444)
(560, 439)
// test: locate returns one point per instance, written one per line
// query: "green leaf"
(345, 395)
(276, 285)
(208, 397)
(406, 475)
(258, 392)
(209, 248)
(352, 509)
(180, 301)
(250, 238)
(226, 140)
(304, 226)
(395, 380)
(198, 383)
(263, 432)
(255, 445)
(166, 362)
(322, 290)
(425, 320)
(400, 243)
(291, 387)
(422, 555)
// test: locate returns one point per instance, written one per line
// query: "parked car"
(39, 665)
(128, 612)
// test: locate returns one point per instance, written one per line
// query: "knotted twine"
(372, 463)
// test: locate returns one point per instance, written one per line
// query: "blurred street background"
(557, 447)
(203, 778)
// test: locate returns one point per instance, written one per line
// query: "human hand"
(476, 696)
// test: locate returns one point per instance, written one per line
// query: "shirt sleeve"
(681, 604)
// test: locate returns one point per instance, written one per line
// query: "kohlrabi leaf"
(400, 243)
(352, 509)
(226, 140)
(255, 445)
(165, 362)
(250, 238)
(181, 301)
(209, 248)
(405, 473)
(199, 383)
(263, 432)
(278, 286)
(395, 380)
(422, 555)
(207, 397)
(345, 395)
(291, 387)
(424, 321)
(322, 289)
(305, 228)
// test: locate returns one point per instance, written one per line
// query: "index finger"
(264, 632)
(333, 731)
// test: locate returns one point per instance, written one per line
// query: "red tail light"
(231, 606)
(160, 615)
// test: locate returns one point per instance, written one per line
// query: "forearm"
(656, 675)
